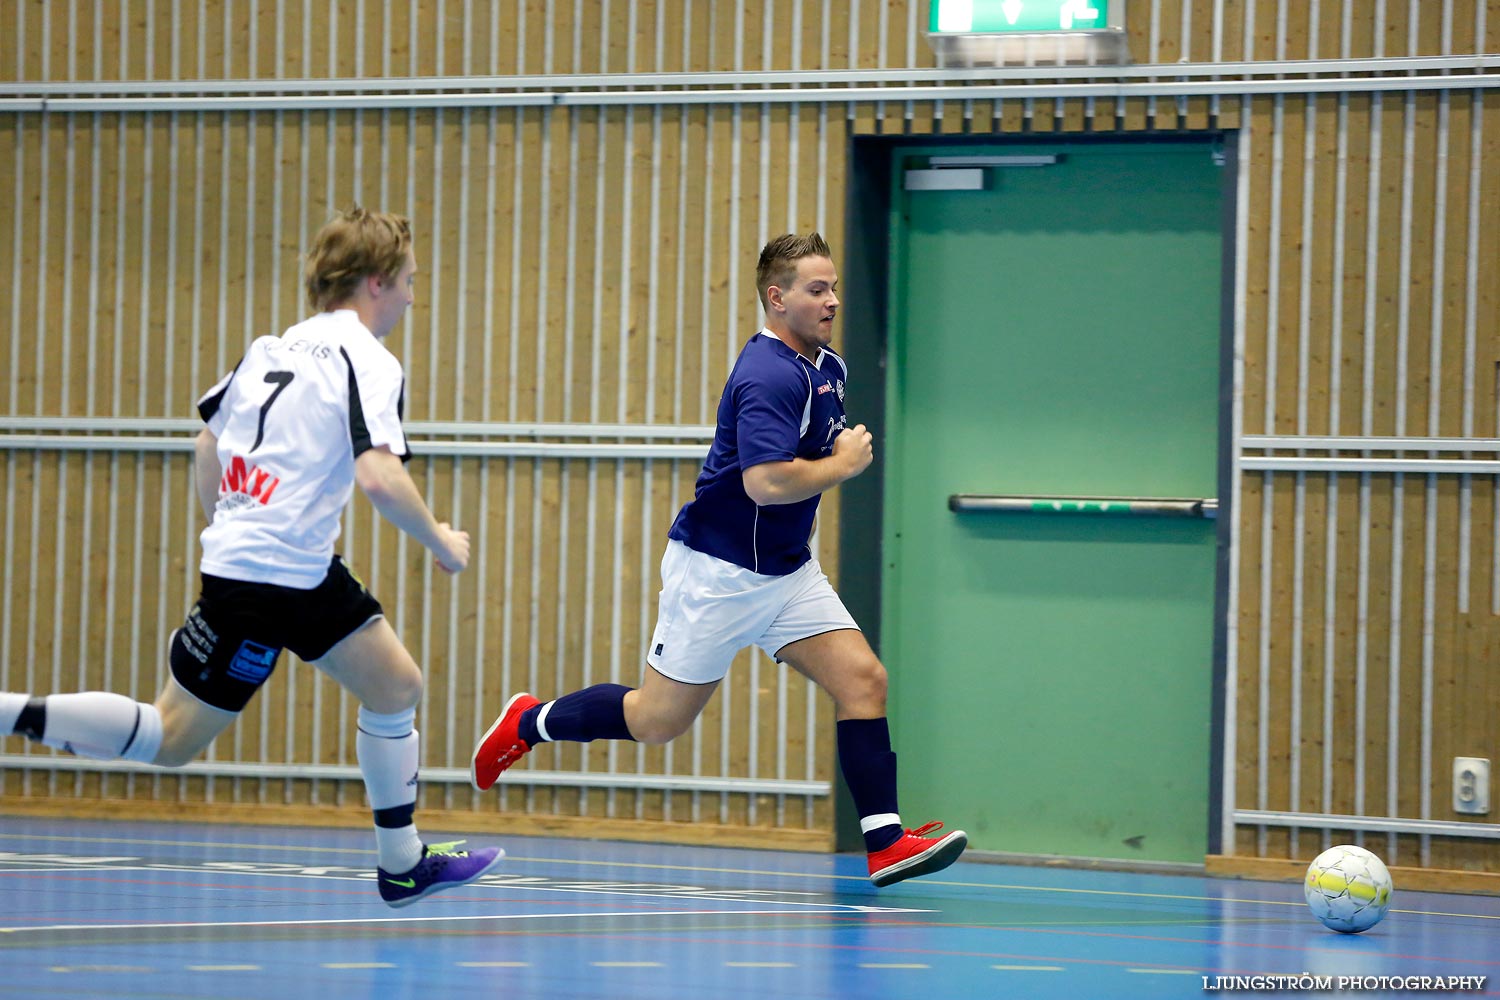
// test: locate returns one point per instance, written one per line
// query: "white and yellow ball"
(1348, 889)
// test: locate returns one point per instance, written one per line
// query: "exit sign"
(997, 16)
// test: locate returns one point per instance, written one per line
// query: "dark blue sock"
(595, 713)
(869, 767)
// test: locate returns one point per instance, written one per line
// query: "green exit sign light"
(1005, 16)
(979, 33)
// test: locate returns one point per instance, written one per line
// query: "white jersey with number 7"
(290, 420)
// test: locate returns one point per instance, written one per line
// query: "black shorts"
(235, 633)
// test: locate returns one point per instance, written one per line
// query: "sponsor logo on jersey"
(244, 479)
(825, 387)
(835, 424)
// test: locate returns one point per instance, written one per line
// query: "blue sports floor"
(94, 909)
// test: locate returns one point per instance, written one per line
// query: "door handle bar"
(964, 503)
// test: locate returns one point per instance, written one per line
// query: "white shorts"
(710, 609)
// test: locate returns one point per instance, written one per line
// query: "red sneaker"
(501, 745)
(915, 854)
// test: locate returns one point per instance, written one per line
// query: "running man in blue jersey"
(738, 571)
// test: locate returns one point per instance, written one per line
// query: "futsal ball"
(1348, 889)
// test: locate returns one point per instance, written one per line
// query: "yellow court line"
(450, 918)
(651, 866)
(178, 843)
(729, 871)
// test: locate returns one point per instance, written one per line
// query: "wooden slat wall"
(587, 264)
(561, 254)
(1370, 311)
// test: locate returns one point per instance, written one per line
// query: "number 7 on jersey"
(281, 380)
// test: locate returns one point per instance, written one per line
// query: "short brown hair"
(778, 260)
(354, 245)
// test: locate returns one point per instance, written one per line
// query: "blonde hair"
(778, 260)
(354, 245)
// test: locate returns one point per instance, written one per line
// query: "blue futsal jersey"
(776, 406)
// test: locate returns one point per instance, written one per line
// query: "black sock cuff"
(396, 817)
(32, 722)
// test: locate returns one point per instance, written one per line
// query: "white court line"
(190, 925)
(358, 965)
(508, 881)
(494, 965)
(1028, 968)
(760, 965)
(893, 965)
(69, 869)
(510, 858)
(627, 965)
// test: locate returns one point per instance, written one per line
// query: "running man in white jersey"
(289, 432)
(738, 571)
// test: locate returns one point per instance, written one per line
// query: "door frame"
(863, 264)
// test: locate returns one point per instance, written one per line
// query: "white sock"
(102, 726)
(10, 710)
(147, 740)
(387, 748)
(400, 849)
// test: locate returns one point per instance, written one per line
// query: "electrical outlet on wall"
(1471, 785)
